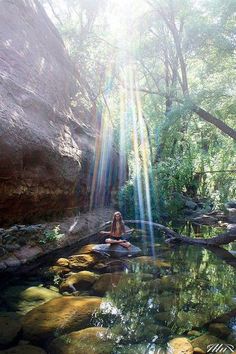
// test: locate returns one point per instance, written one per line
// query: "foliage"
(51, 235)
(175, 54)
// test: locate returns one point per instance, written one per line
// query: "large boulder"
(59, 316)
(24, 349)
(93, 340)
(47, 141)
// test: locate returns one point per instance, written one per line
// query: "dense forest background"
(160, 76)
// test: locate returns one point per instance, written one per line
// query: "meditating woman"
(117, 230)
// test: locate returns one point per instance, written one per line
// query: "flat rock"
(117, 251)
(59, 316)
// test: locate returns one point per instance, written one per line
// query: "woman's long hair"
(114, 222)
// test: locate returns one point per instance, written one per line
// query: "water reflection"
(181, 289)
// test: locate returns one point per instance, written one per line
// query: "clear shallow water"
(157, 298)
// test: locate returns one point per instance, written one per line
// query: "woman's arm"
(105, 232)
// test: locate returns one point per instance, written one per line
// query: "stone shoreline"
(21, 245)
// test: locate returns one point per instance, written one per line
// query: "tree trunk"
(208, 117)
(222, 239)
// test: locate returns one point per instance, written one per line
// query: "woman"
(117, 230)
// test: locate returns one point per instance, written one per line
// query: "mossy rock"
(79, 281)
(58, 270)
(219, 329)
(23, 299)
(83, 261)
(204, 340)
(59, 316)
(93, 340)
(62, 262)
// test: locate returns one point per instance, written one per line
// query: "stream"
(88, 303)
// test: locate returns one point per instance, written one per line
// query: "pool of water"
(146, 300)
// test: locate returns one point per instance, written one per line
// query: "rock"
(219, 330)
(28, 253)
(107, 282)
(197, 350)
(93, 340)
(59, 316)
(24, 349)
(232, 339)
(11, 248)
(10, 327)
(63, 262)
(12, 261)
(231, 204)
(179, 346)
(82, 261)
(3, 266)
(117, 251)
(192, 319)
(167, 302)
(2, 251)
(191, 205)
(193, 333)
(57, 270)
(111, 266)
(79, 281)
(231, 215)
(87, 248)
(204, 340)
(47, 146)
(231, 229)
(22, 299)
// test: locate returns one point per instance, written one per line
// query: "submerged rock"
(10, 327)
(117, 251)
(219, 330)
(107, 282)
(79, 281)
(203, 341)
(59, 316)
(92, 340)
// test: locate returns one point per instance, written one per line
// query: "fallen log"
(222, 239)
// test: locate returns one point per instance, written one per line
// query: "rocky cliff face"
(46, 146)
